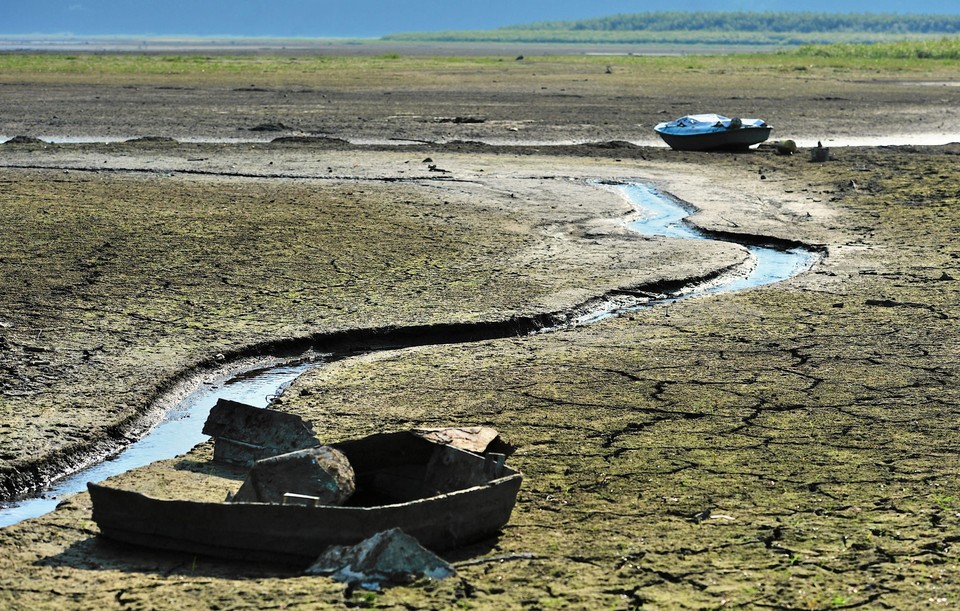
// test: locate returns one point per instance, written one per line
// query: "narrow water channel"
(663, 216)
(177, 433)
(181, 427)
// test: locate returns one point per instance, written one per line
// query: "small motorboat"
(710, 132)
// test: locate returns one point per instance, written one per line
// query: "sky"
(370, 18)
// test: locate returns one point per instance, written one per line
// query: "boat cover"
(704, 124)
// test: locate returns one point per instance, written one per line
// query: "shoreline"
(348, 46)
(803, 142)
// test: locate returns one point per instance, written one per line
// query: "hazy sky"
(369, 17)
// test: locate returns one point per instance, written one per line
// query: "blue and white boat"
(708, 132)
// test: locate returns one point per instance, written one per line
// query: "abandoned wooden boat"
(442, 495)
(708, 132)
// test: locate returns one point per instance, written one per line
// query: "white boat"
(708, 132)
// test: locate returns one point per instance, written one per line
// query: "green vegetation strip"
(670, 37)
(942, 48)
(232, 69)
(738, 21)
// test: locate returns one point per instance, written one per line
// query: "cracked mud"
(788, 447)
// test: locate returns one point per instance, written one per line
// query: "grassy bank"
(940, 48)
(928, 54)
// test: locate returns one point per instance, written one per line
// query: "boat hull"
(443, 496)
(294, 534)
(738, 139)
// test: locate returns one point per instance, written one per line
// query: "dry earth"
(788, 447)
(537, 99)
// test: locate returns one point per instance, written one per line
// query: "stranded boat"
(420, 482)
(712, 132)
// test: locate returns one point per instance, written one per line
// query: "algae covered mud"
(181, 426)
(791, 447)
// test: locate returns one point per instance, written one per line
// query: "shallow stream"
(180, 429)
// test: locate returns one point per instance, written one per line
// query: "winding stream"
(663, 216)
(180, 429)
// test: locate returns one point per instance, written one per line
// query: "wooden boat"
(708, 132)
(442, 495)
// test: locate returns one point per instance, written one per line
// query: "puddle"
(181, 428)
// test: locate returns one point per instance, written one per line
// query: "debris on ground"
(391, 557)
(244, 434)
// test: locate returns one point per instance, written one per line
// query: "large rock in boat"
(315, 476)
(244, 434)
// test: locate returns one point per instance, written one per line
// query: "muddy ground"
(789, 447)
(531, 98)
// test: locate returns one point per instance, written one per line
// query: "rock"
(322, 473)
(244, 434)
(460, 120)
(387, 558)
(153, 139)
(477, 439)
(324, 140)
(269, 127)
(786, 147)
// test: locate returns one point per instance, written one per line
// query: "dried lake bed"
(789, 446)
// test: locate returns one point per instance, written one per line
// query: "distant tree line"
(670, 37)
(757, 22)
(781, 29)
